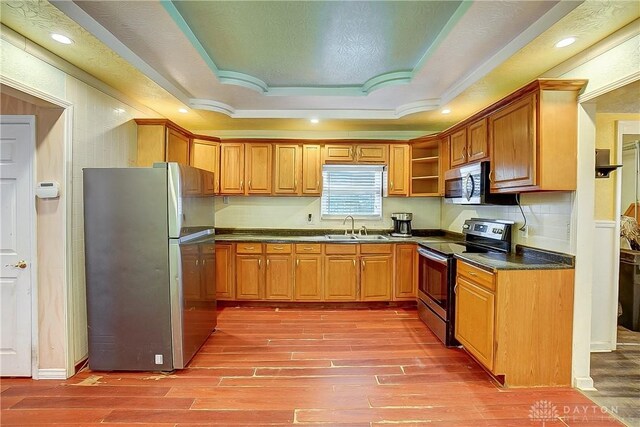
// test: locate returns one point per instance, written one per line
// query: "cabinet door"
(287, 169)
(231, 168)
(344, 153)
(443, 162)
(406, 279)
(279, 277)
(477, 147)
(190, 273)
(399, 170)
(192, 184)
(206, 155)
(475, 314)
(512, 137)
(341, 278)
(308, 278)
(258, 168)
(311, 169)
(376, 277)
(458, 148)
(249, 277)
(177, 147)
(372, 153)
(152, 145)
(224, 272)
(208, 260)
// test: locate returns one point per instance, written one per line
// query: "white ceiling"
(348, 60)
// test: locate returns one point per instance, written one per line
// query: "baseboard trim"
(583, 383)
(52, 374)
(601, 347)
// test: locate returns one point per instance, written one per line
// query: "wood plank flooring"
(616, 376)
(333, 367)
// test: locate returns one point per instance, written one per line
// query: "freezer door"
(190, 201)
(193, 303)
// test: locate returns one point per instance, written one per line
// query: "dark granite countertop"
(319, 236)
(525, 258)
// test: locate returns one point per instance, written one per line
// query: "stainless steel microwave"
(469, 185)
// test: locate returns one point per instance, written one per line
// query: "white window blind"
(352, 190)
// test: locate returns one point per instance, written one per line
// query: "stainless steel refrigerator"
(150, 265)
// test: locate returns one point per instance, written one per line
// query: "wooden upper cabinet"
(399, 165)
(160, 140)
(533, 138)
(513, 144)
(444, 162)
(311, 169)
(339, 153)
(287, 169)
(206, 155)
(458, 153)
(477, 144)
(258, 168)
(372, 153)
(231, 168)
(356, 153)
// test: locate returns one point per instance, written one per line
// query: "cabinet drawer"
(308, 248)
(278, 248)
(338, 249)
(476, 275)
(249, 248)
(189, 249)
(376, 248)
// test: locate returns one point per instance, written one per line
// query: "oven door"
(433, 281)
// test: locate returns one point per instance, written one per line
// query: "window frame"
(381, 194)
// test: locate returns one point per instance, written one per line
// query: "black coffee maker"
(401, 224)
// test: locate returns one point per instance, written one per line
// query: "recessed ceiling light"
(183, 110)
(446, 111)
(566, 42)
(61, 39)
(314, 121)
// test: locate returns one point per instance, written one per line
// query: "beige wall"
(292, 212)
(103, 135)
(606, 137)
(548, 218)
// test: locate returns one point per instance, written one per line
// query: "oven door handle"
(433, 257)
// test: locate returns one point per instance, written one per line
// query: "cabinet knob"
(267, 263)
(241, 185)
(249, 184)
(297, 262)
(363, 264)
(196, 262)
(392, 185)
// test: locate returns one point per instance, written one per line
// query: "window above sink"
(355, 190)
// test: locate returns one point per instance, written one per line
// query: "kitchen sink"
(372, 237)
(355, 237)
(340, 237)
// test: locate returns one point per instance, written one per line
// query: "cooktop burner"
(450, 249)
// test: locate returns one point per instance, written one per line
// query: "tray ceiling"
(274, 65)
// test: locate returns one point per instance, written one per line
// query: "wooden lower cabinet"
(279, 278)
(249, 277)
(475, 313)
(517, 323)
(308, 278)
(376, 277)
(406, 272)
(225, 271)
(341, 278)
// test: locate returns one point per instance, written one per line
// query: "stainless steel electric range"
(437, 272)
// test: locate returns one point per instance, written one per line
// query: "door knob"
(20, 264)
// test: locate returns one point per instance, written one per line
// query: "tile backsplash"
(548, 219)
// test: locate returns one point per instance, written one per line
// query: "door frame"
(622, 127)
(67, 190)
(31, 219)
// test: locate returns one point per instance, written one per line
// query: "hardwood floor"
(616, 376)
(336, 367)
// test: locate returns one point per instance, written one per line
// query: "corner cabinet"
(533, 138)
(425, 166)
(517, 323)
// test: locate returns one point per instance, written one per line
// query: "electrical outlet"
(524, 231)
(225, 200)
(310, 219)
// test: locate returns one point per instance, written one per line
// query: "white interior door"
(16, 232)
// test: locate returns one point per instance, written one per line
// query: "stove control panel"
(488, 228)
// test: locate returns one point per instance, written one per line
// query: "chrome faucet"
(352, 225)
